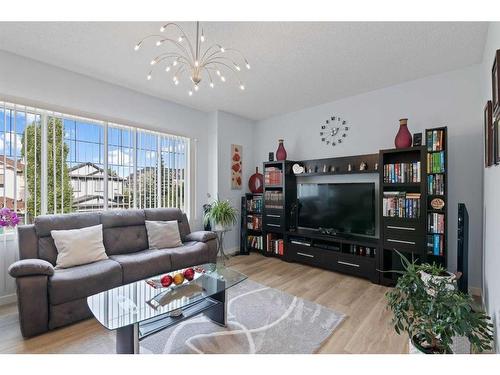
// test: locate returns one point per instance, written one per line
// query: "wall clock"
(334, 131)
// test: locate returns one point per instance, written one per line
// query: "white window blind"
(90, 165)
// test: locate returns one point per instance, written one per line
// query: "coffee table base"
(128, 337)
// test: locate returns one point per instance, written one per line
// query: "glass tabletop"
(139, 301)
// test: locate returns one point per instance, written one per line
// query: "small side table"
(220, 244)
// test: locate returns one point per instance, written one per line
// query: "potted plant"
(221, 215)
(434, 321)
(8, 218)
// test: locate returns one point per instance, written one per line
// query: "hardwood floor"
(366, 328)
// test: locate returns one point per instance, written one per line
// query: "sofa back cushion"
(124, 231)
(169, 214)
(163, 234)
(46, 223)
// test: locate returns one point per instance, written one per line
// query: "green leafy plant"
(222, 213)
(431, 321)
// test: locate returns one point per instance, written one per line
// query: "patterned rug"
(260, 320)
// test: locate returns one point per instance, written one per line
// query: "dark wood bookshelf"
(245, 231)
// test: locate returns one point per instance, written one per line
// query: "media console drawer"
(305, 254)
(355, 265)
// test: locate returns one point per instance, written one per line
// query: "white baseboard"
(8, 299)
(475, 291)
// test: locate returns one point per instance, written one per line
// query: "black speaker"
(463, 247)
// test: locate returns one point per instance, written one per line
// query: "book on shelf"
(401, 204)
(273, 199)
(435, 244)
(254, 205)
(274, 244)
(435, 184)
(402, 172)
(435, 223)
(255, 242)
(273, 176)
(435, 140)
(435, 162)
(254, 222)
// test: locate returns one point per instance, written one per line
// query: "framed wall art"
(488, 134)
(236, 166)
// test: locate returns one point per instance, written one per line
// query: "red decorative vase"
(280, 152)
(256, 182)
(403, 138)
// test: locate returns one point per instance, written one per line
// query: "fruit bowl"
(176, 278)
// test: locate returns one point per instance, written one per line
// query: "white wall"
(450, 99)
(491, 279)
(232, 129)
(36, 83)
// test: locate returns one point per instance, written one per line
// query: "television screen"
(346, 208)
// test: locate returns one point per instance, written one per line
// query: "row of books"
(401, 204)
(435, 223)
(273, 176)
(255, 242)
(435, 184)
(362, 251)
(435, 244)
(402, 173)
(254, 205)
(275, 245)
(273, 199)
(435, 140)
(435, 162)
(254, 222)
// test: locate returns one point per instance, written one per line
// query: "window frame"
(45, 114)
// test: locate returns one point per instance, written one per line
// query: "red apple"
(166, 281)
(189, 274)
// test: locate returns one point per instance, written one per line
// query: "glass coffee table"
(138, 310)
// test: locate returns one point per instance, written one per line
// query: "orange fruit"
(178, 278)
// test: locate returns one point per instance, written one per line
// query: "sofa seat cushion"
(188, 255)
(77, 282)
(143, 264)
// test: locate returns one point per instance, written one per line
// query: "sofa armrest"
(31, 267)
(201, 236)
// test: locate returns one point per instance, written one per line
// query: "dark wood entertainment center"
(361, 256)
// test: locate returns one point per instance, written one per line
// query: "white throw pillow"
(79, 246)
(163, 234)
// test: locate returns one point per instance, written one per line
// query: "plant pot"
(461, 345)
(449, 279)
(414, 348)
(218, 227)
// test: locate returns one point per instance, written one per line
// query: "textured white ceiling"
(294, 65)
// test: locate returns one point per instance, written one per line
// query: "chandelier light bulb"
(174, 63)
(242, 87)
(222, 49)
(174, 78)
(176, 82)
(137, 46)
(162, 29)
(202, 38)
(196, 63)
(247, 65)
(196, 88)
(211, 84)
(237, 67)
(223, 79)
(190, 93)
(167, 69)
(180, 39)
(158, 43)
(218, 72)
(148, 77)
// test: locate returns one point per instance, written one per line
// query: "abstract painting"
(236, 166)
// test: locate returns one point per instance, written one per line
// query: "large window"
(57, 163)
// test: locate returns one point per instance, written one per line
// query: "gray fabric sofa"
(49, 298)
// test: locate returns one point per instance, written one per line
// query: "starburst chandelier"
(186, 59)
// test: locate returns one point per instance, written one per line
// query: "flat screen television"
(347, 208)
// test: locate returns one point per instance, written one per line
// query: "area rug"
(259, 320)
